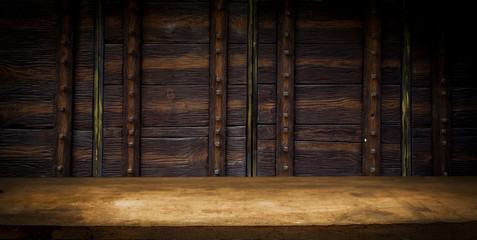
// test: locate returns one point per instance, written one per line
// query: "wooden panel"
(391, 64)
(177, 22)
(175, 64)
(82, 153)
(391, 159)
(266, 158)
(391, 104)
(327, 158)
(267, 63)
(266, 132)
(463, 160)
(422, 154)
(173, 132)
(174, 106)
(26, 152)
(267, 22)
(286, 89)
(112, 155)
(236, 162)
(464, 112)
(237, 64)
(329, 63)
(174, 157)
(390, 133)
(113, 106)
(267, 97)
(328, 104)
(113, 64)
(237, 22)
(329, 22)
(236, 105)
(421, 107)
(114, 21)
(331, 133)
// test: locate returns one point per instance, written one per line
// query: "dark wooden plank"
(237, 64)
(285, 107)
(391, 159)
(27, 114)
(113, 106)
(390, 133)
(236, 105)
(237, 22)
(236, 163)
(329, 22)
(266, 158)
(174, 157)
(237, 131)
(82, 154)
(175, 105)
(26, 152)
(391, 104)
(421, 100)
(113, 64)
(421, 59)
(267, 63)
(392, 22)
(175, 64)
(464, 102)
(218, 87)
(114, 22)
(372, 90)
(267, 98)
(327, 158)
(391, 64)
(177, 22)
(329, 133)
(463, 152)
(174, 132)
(328, 104)
(64, 92)
(267, 21)
(112, 157)
(422, 155)
(329, 63)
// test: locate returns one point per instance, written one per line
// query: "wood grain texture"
(82, 153)
(175, 64)
(266, 158)
(174, 132)
(391, 104)
(112, 157)
(267, 63)
(178, 22)
(114, 22)
(113, 64)
(267, 22)
(329, 133)
(174, 157)
(237, 23)
(327, 158)
(236, 162)
(390, 64)
(237, 64)
(267, 98)
(174, 105)
(329, 63)
(328, 104)
(329, 22)
(236, 105)
(390, 159)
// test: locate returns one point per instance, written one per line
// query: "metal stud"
(131, 119)
(217, 144)
(217, 131)
(374, 94)
(373, 76)
(285, 93)
(285, 149)
(219, 7)
(443, 80)
(285, 168)
(218, 50)
(62, 109)
(61, 136)
(217, 118)
(217, 79)
(131, 93)
(131, 52)
(443, 131)
(285, 115)
(373, 151)
(218, 35)
(373, 52)
(444, 143)
(285, 130)
(287, 13)
(59, 168)
(216, 171)
(286, 52)
(217, 92)
(372, 169)
(373, 133)
(287, 74)
(444, 93)
(130, 144)
(285, 34)
(443, 120)
(129, 171)
(130, 77)
(131, 132)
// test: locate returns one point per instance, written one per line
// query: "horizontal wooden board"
(175, 64)
(266, 158)
(391, 21)
(235, 162)
(391, 104)
(328, 63)
(113, 106)
(82, 153)
(421, 100)
(329, 133)
(464, 107)
(463, 152)
(390, 133)
(328, 104)
(327, 158)
(391, 64)
(238, 22)
(237, 64)
(267, 21)
(236, 105)
(112, 157)
(113, 64)
(174, 132)
(329, 22)
(174, 157)
(266, 132)
(422, 156)
(174, 105)
(27, 114)
(391, 160)
(113, 21)
(174, 22)
(421, 64)
(236, 131)
(267, 98)
(267, 63)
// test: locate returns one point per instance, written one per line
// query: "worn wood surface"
(406, 95)
(196, 206)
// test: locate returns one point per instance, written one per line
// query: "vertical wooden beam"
(132, 88)
(98, 87)
(64, 91)
(372, 92)
(252, 89)
(285, 89)
(218, 87)
(440, 106)
(406, 156)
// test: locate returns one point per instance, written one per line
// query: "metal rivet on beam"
(287, 74)
(372, 169)
(216, 171)
(285, 130)
(131, 119)
(63, 88)
(444, 143)
(285, 93)
(217, 79)
(286, 52)
(373, 52)
(285, 34)
(443, 80)
(61, 136)
(285, 115)
(217, 118)
(130, 144)
(443, 131)
(443, 120)
(131, 93)
(217, 144)
(62, 109)
(374, 94)
(129, 171)
(59, 168)
(373, 133)
(444, 93)
(217, 92)
(285, 148)
(217, 131)
(373, 76)
(287, 13)
(64, 61)
(373, 151)
(131, 52)
(131, 132)
(218, 35)
(285, 168)
(219, 7)
(218, 50)
(130, 77)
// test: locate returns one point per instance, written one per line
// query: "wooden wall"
(176, 100)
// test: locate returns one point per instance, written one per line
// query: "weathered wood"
(267, 98)
(372, 91)
(406, 95)
(237, 64)
(267, 63)
(390, 64)
(218, 87)
(113, 64)
(174, 157)
(237, 23)
(389, 153)
(328, 104)
(114, 22)
(285, 89)
(64, 91)
(112, 157)
(132, 88)
(266, 165)
(177, 22)
(331, 133)
(173, 132)
(314, 158)
(236, 164)
(98, 91)
(267, 22)
(81, 165)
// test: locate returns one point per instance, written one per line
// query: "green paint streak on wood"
(252, 89)
(405, 97)
(98, 89)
